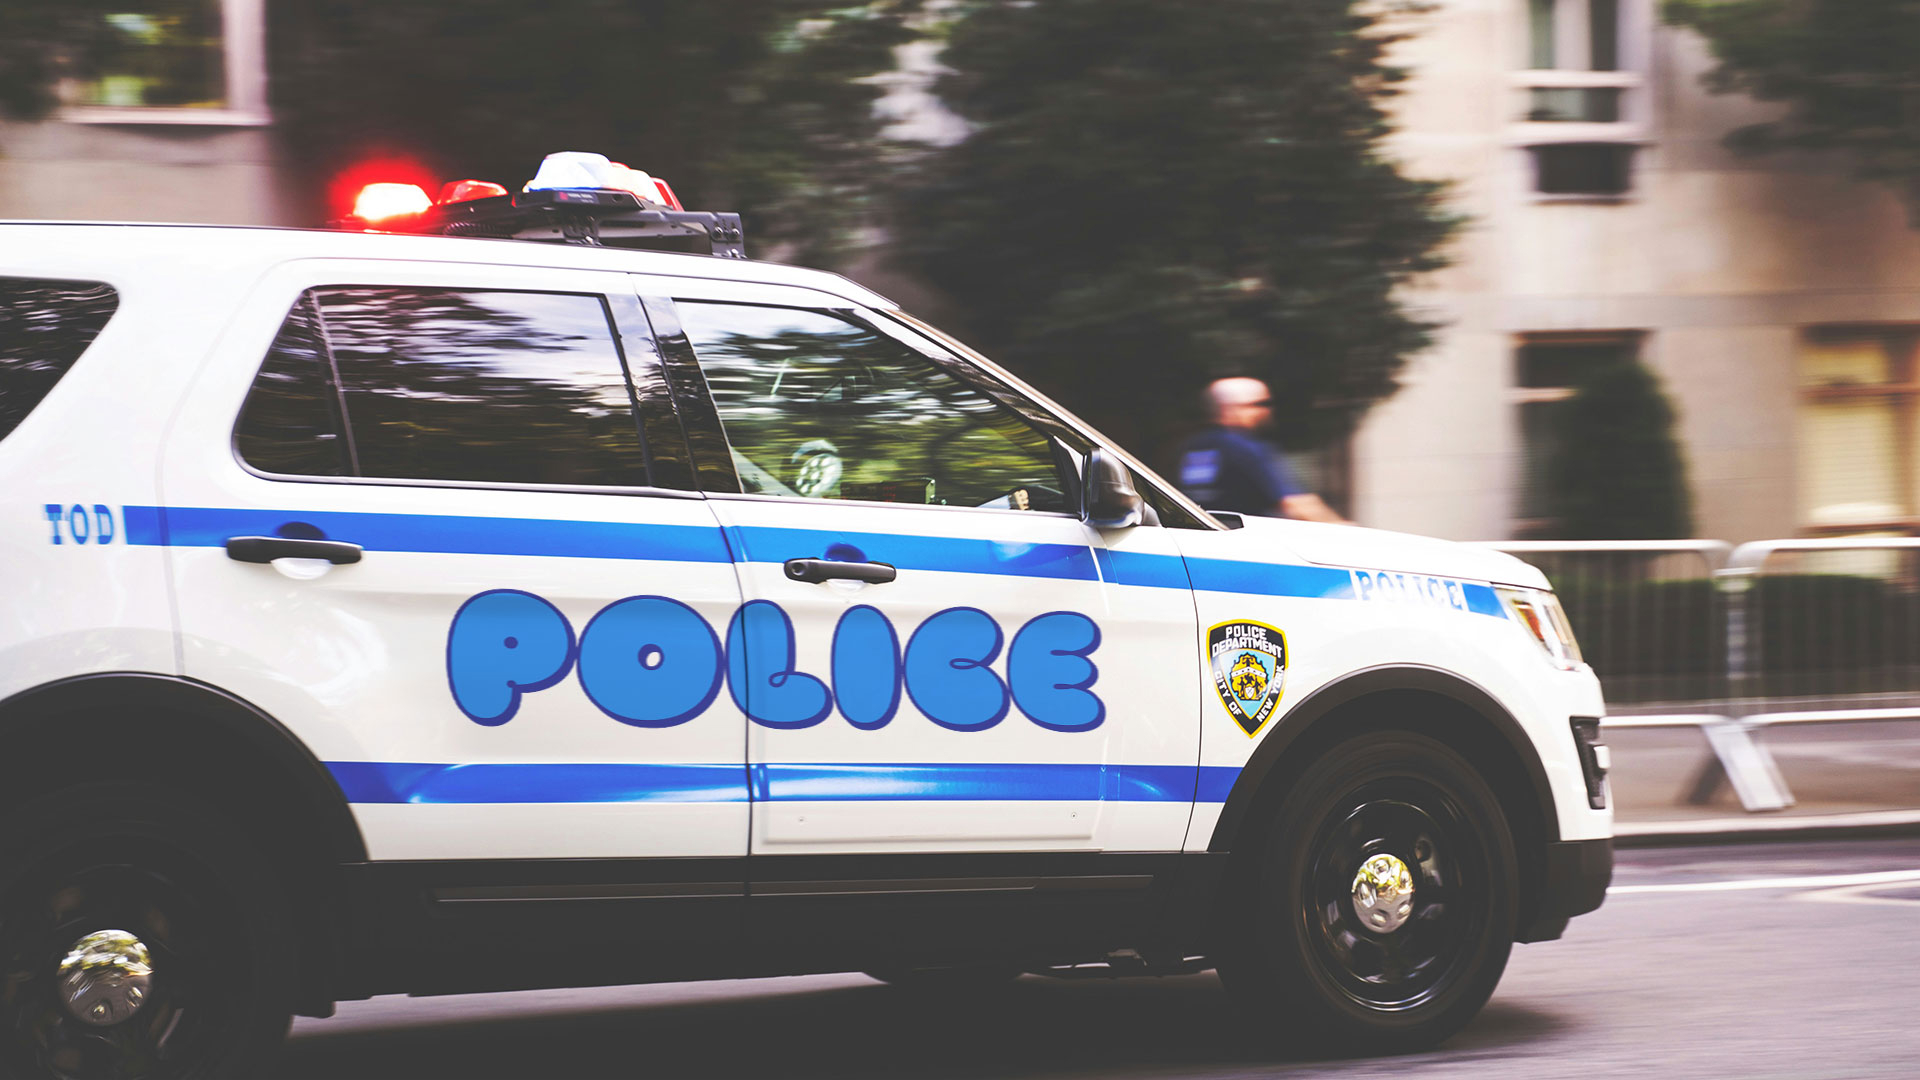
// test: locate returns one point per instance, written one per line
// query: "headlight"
(1544, 620)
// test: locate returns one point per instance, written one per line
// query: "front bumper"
(1574, 880)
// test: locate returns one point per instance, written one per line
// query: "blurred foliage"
(168, 50)
(42, 40)
(756, 105)
(750, 105)
(1617, 473)
(1154, 194)
(1849, 69)
(1834, 633)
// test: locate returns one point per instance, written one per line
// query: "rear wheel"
(1377, 911)
(139, 938)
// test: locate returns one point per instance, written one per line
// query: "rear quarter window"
(44, 327)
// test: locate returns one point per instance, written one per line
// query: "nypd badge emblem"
(1249, 662)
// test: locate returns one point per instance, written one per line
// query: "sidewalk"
(1847, 780)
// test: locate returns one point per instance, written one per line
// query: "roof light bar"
(575, 197)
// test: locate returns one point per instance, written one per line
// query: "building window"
(1556, 105)
(1603, 169)
(169, 61)
(1559, 39)
(1581, 87)
(1550, 369)
(1858, 392)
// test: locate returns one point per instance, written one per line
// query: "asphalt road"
(1770, 980)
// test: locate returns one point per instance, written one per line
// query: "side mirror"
(1111, 501)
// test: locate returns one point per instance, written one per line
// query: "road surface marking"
(1858, 894)
(1822, 881)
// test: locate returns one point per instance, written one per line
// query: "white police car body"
(392, 613)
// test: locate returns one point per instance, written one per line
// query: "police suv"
(415, 609)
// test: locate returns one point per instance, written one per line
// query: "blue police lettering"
(78, 526)
(55, 515)
(866, 668)
(760, 672)
(102, 524)
(1049, 673)
(1381, 585)
(650, 661)
(503, 644)
(947, 670)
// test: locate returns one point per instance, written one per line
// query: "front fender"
(1306, 715)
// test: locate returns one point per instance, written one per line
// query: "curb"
(1760, 829)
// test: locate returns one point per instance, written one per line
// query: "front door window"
(818, 407)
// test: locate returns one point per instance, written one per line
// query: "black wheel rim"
(1424, 827)
(157, 897)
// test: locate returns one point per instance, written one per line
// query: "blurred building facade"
(1777, 300)
(173, 126)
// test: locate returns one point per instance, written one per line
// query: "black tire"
(151, 863)
(1299, 956)
(959, 978)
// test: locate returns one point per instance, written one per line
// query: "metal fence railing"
(1735, 641)
(1823, 621)
(1645, 612)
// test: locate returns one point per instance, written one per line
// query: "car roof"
(268, 246)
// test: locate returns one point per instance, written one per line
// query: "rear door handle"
(265, 549)
(818, 570)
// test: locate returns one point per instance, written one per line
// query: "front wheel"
(139, 938)
(1376, 912)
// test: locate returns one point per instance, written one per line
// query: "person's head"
(1240, 403)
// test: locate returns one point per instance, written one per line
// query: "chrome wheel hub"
(1383, 893)
(105, 977)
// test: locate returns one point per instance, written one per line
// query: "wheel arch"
(222, 749)
(1424, 699)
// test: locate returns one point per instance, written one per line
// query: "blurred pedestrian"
(1230, 467)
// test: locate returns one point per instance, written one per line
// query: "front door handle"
(818, 570)
(265, 549)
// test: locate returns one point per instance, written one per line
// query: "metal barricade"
(1734, 641)
(1828, 625)
(1831, 634)
(1646, 614)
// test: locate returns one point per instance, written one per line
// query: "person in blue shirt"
(1230, 467)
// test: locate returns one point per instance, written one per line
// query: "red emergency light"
(467, 190)
(384, 202)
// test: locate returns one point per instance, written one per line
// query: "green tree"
(756, 105)
(1616, 473)
(1153, 194)
(1848, 69)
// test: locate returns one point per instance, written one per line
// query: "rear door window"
(408, 383)
(44, 327)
